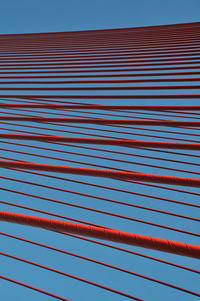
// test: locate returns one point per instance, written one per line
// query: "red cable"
(42, 211)
(120, 175)
(99, 243)
(84, 222)
(32, 288)
(103, 61)
(99, 157)
(104, 264)
(79, 65)
(100, 107)
(96, 197)
(106, 130)
(78, 278)
(152, 96)
(124, 191)
(93, 75)
(126, 88)
(109, 81)
(105, 234)
(158, 122)
(93, 70)
(118, 142)
(127, 121)
(117, 189)
(100, 57)
(109, 151)
(114, 70)
(109, 114)
(95, 54)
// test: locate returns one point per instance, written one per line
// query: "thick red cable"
(116, 115)
(106, 187)
(126, 57)
(104, 130)
(105, 234)
(109, 114)
(84, 222)
(110, 53)
(105, 121)
(86, 70)
(100, 107)
(95, 135)
(113, 70)
(93, 75)
(96, 59)
(117, 189)
(103, 47)
(99, 157)
(80, 221)
(126, 88)
(193, 155)
(100, 54)
(105, 63)
(104, 43)
(120, 175)
(118, 142)
(142, 45)
(56, 96)
(109, 81)
(116, 121)
(107, 130)
(42, 211)
(92, 65)
(125, 153)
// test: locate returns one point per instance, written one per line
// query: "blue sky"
(62, 15)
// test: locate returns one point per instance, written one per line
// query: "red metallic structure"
(135, 92)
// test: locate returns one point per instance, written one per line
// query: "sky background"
(52, 16)
(63, 15)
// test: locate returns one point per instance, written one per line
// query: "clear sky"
(27, 16)
(64, 15)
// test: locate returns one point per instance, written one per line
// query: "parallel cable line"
(107, 86)
(104, 233)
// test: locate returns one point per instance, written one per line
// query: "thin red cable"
(109, 114)
(42, 211)
(78, 278)
(33, 288)
(84, 222)
(100, 243)
(97, 197)
(107, 130)
(117, 189)
(99, 157)
(104, 264)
